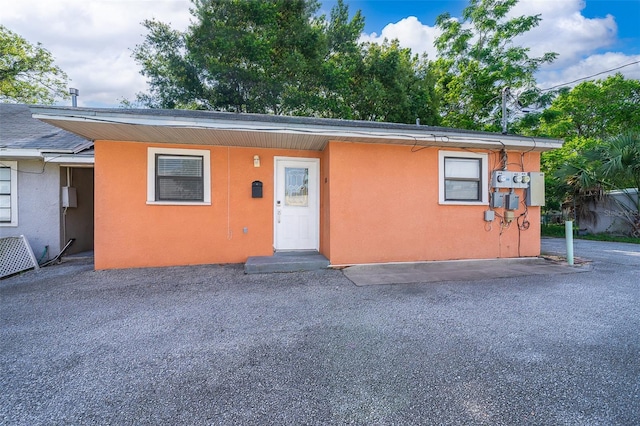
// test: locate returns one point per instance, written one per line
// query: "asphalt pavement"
(210, 345)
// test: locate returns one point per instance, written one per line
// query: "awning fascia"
(91, 124)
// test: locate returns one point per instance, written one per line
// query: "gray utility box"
(497, 199)
(535, 193)
(511, 201)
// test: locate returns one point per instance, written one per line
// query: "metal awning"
(266, 131)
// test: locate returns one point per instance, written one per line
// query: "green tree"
(620, 170)
(27, 72)
(277, 57)
(612, 164)
(250, 54)
(392, 85)
(174, 79)
(620, 157)
(328, 84)
(253, 56)
(478, 58)
(567, 171)
(332, 88)
(587, 117)
(243, 56)
(571, 178)
(593, 109)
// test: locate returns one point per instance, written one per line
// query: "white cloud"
(590, 66)
(563, 29)
(91, 40)
(411, 33)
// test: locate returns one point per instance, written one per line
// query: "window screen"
(462, 179)
(179, 178)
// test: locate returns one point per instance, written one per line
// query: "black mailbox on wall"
(256, 189)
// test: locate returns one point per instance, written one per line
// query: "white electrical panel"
(509, 179)
(69, 197)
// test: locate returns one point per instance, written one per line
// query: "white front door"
(297, 203)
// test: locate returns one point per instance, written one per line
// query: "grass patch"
(558, 231)
(552, 230)
(607, 237)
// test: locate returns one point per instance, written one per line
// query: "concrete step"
(295, 261)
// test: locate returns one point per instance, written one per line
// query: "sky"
(92, 40)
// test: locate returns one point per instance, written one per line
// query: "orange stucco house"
(193, 187)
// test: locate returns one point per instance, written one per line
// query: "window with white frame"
(8, 193)
(462, 177)
(178, 176)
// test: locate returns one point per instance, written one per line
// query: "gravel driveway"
(210, 345)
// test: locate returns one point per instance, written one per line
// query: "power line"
(590, 76)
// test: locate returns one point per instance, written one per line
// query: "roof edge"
(20, 153)
(333, 128)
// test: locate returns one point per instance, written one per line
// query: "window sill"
(463, 203)
(178, 203)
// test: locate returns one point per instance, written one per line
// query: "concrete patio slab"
(456, 270)
(295, 261)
